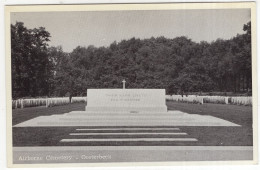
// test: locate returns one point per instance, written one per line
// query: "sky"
(101, 28)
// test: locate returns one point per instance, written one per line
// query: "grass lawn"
(207, 136)
(241, 115)
(21, 115)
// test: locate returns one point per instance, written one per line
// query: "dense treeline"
(179, 65)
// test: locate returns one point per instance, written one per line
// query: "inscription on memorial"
(126, 97)
(126, 100)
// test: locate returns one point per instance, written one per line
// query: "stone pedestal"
(126, 100)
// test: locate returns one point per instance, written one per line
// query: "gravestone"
(126, 100)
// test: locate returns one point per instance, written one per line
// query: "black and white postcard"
(139, 84)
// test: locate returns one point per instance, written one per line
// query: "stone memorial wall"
(126, 100)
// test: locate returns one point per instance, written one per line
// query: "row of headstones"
(243, 100)
(48, 102)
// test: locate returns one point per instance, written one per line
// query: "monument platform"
(81, 118)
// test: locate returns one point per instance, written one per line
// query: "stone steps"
(80, 118)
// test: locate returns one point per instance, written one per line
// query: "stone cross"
(124, 83)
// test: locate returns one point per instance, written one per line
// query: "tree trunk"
(234, 85)
(238, 87)
(243, 82)
(247, 83)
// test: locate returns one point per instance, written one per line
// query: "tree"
(30, 63)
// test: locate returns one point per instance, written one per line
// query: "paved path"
(111, 135)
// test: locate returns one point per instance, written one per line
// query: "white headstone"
(126, 100)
